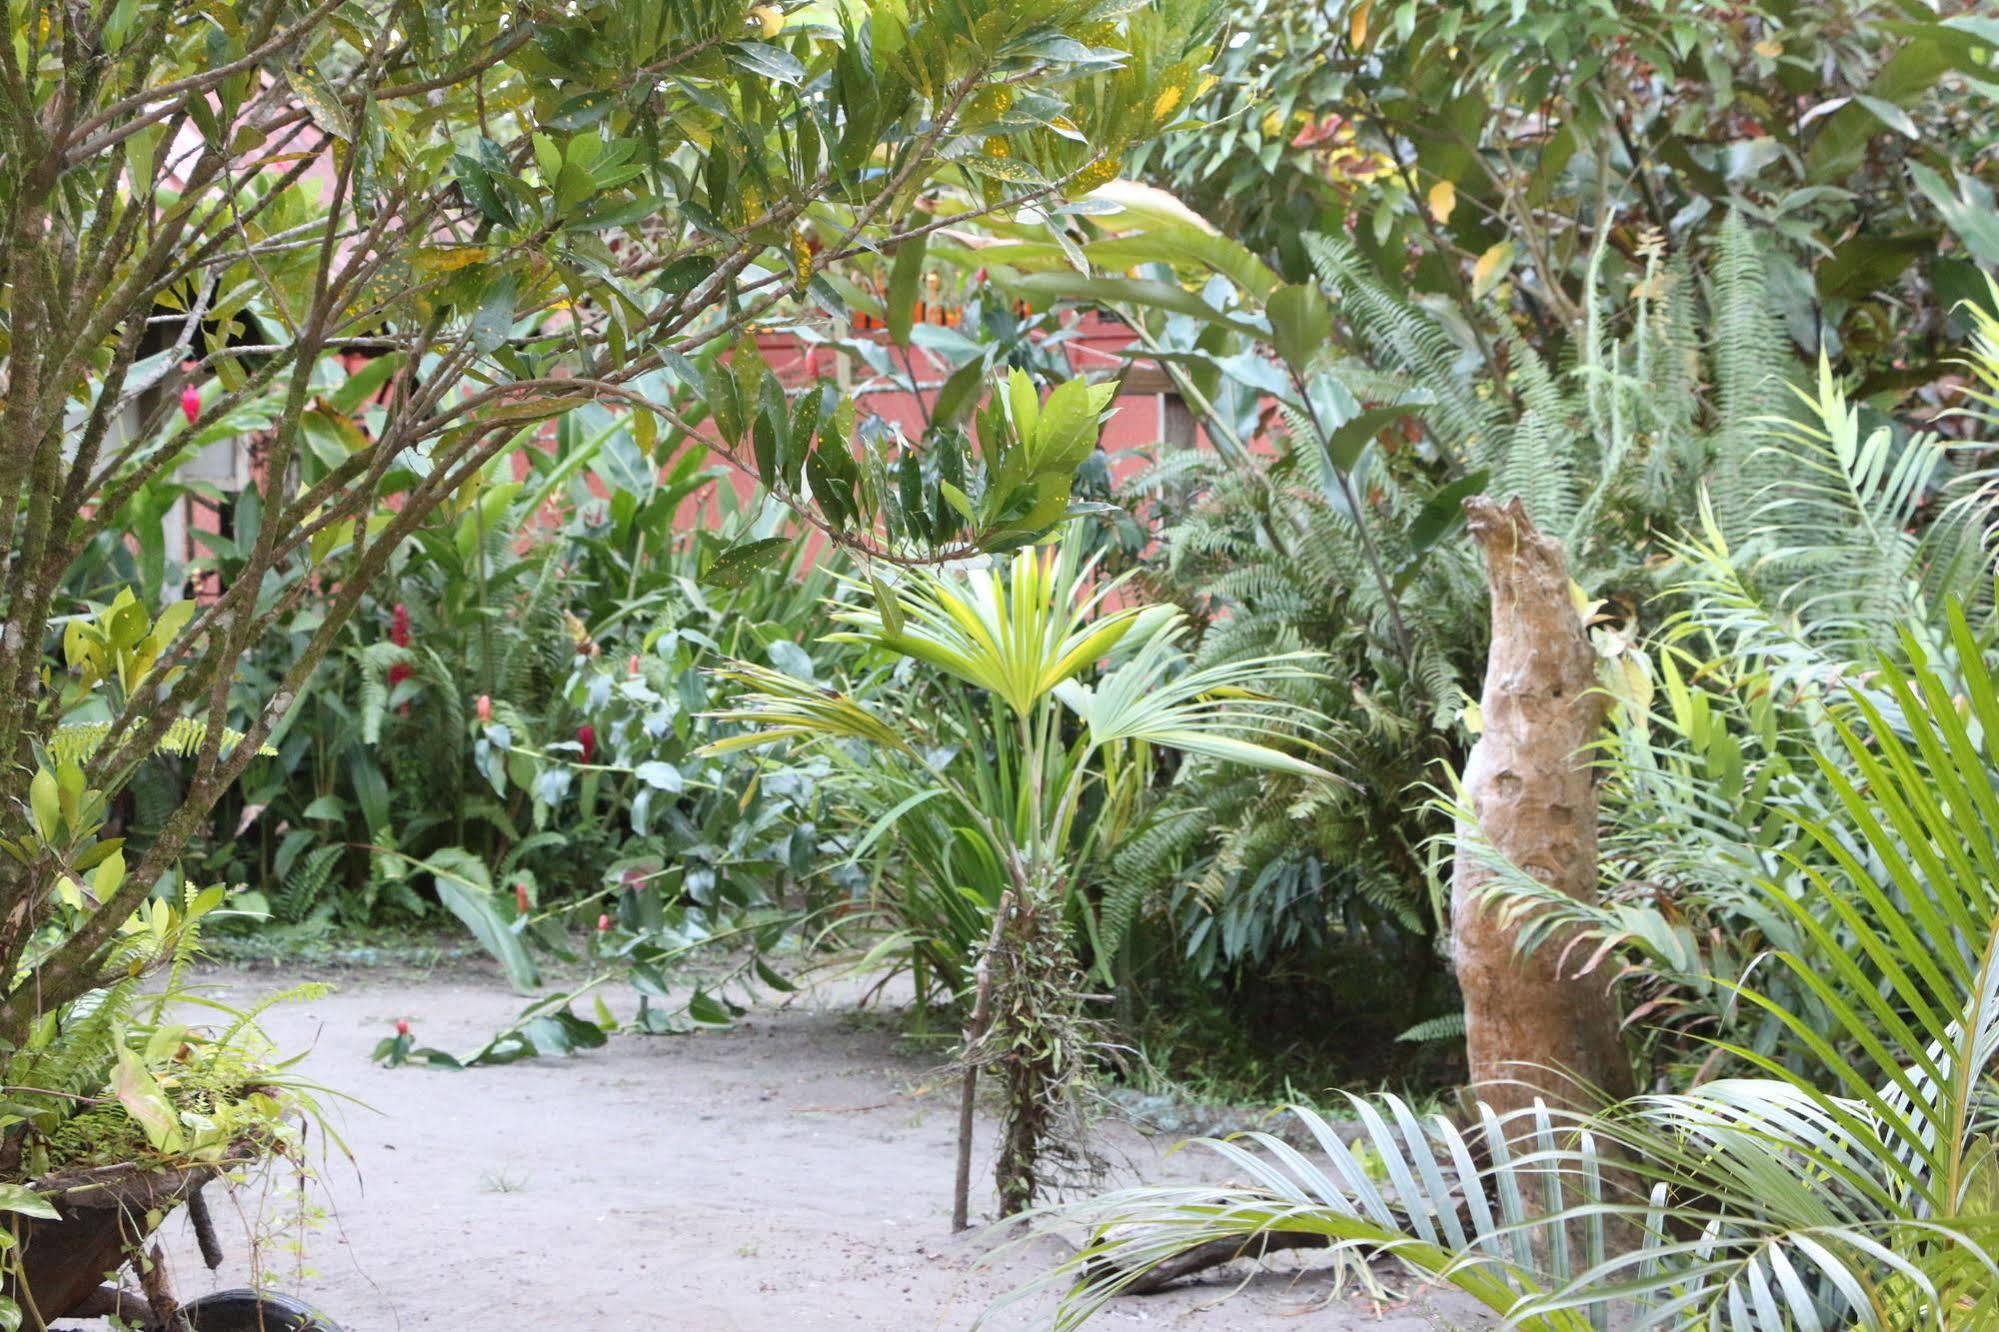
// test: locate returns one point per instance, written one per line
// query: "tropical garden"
(1405, 590)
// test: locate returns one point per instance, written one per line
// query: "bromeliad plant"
(1035, 736)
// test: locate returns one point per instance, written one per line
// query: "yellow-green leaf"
(1493, 265)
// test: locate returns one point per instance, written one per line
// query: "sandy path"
(791, 1173)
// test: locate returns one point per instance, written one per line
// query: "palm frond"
(778, 707)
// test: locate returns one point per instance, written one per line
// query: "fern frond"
(77, 741)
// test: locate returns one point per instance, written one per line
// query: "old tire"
(250, 1311)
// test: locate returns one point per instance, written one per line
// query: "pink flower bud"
(402, 1026)
(521, 898)
(190, 403)
(604, 924)
(632, 666)
(484, 707)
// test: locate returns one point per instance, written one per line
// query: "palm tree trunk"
(1531, 1027)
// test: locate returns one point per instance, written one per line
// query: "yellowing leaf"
(45, 802)
(1443, 200)
(449, 260)
(1490, 268)
(1769, 48)
(143, 1098)
(1357, 24)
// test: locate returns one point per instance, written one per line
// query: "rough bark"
(1530, 1027)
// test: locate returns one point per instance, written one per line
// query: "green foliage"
(1860, 540)
(126, 1074)
(450, 771)
(1338, 538)
(1854, 1192)
(1481, 153)
(994, 792)
(394, 263)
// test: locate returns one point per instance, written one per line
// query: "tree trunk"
(1530, 1029)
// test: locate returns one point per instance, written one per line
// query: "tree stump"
(1530, 1029)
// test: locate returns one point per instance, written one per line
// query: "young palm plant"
(1859, 1192)
(1039, 737)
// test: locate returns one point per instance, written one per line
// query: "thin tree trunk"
(968, 1091)
(1531, 1029)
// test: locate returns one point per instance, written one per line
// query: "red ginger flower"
(521, 898)
(586, 736)
(190, 403)
(399, 634)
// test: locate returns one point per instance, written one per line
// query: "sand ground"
(790, 1173)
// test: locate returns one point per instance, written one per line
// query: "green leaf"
(466, 889)
(1348, 441)
(1894, 117)
(364, 383)
(1967, 210)
(1146, 292)
(770, 62)
(1443, 512)
(46, 803)
(1301, 324)
(708, 1010)
(24, 1200)
(738, 564)
(902, 284)
(477, 184)
(686, 273)
(495, 316)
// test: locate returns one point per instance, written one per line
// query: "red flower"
(632, 666)
(398, 672)
(521, 898)
(586, 736)
(402, 1026)
(484, 707)
(604, 924)
(190, 403)
(399, 626)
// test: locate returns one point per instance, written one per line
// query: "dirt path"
(791, 1173)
